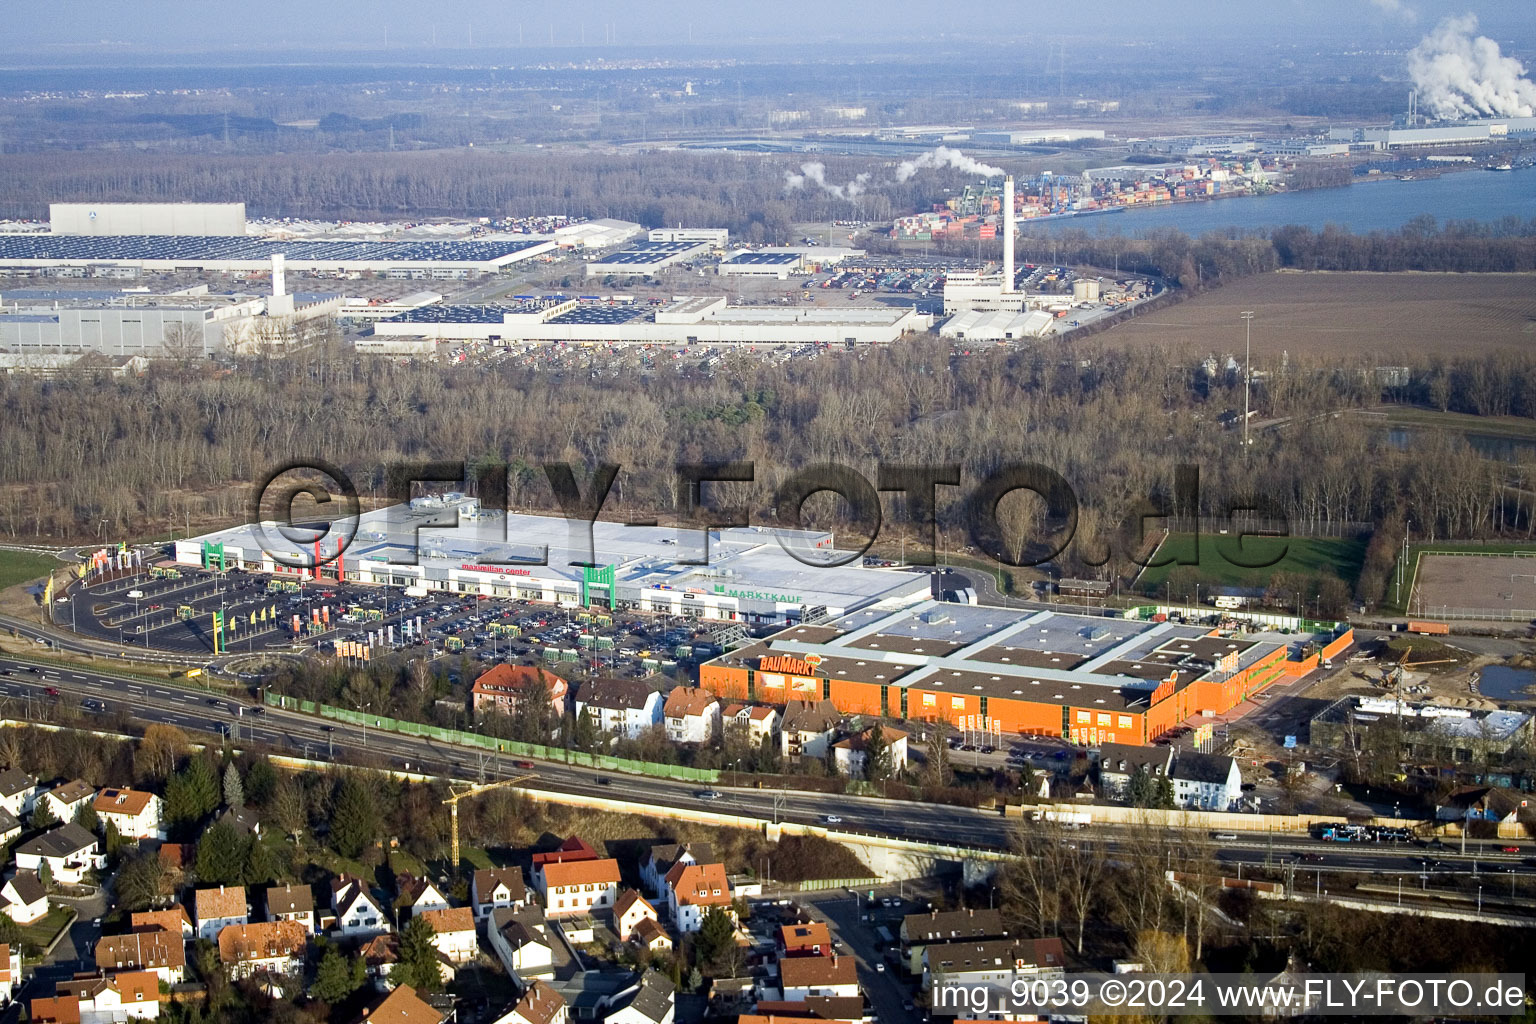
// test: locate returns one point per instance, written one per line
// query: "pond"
(1500, 682)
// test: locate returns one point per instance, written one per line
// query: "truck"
(416, 591)
(1062, 816)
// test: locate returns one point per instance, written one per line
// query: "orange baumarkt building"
(1085, 679)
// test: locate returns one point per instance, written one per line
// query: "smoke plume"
(946, 157)
(814, 174)
(1461, 76)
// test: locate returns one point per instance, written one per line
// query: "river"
(1366, 206)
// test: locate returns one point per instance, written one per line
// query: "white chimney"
(1008, 234)
(279, 278)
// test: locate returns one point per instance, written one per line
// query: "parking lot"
(173, 610)
(867, 929)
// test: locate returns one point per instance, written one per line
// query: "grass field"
(1324, 314)
(1343, 558)
(21, 566)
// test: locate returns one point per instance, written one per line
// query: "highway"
(24, 694)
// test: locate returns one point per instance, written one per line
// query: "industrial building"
(184, 324)
(194, 219)
(702, 320)
(128, 255)
(1422, 732)
(1457, 134)
(644, 258)
(997, 325)
(716, 238)
(1036, 136)
(449, 543)
(782, 261)
(1085, 679)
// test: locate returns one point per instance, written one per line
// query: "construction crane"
(453, 807)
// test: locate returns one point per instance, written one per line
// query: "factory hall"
(1085, 679)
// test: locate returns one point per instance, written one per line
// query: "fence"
(513, 747)
(1238, 524)
(823, 884)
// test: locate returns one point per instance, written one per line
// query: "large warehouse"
(117, 255)
(702, 320)
(201, 219)
(750, 576)
(37, 321)
(642, 258)
(1081, 678)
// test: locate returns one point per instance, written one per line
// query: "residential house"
(66, 800)
(1512, 810)
(24, 898)
(572, 848)
(918, 931)
(242, 819)
(660, 859)
(520, 941)
(1120, 762)
(263, 947)
(630, 909)
(807, 728)
(501, 687)
(159, 951)
(1205, 782)
(490, 888)
(454, 932)
(357, 912)
(17, 792)
(10, 827)
(294, 903)
(650, 1000)
(380, 954)
(651, 935)
(216, 909)
(620, 707)
(10, 973)
(809, 939)
(67, 851)
(755, 721)
(127, 995)
(172, 919)
(403, 1006)
(539, 1004)
(134, 813)
(692, 889)
(418, 895)
(55, 1010)
(991, 961)
(851, 753)
(801, 977)
(573, 889)
(692, 715)
(825, 1009)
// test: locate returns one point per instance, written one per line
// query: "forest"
(182, 446)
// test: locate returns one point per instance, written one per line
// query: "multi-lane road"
(30, 690)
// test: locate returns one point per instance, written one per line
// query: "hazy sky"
(41, 28)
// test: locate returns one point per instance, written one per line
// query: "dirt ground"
(1489, 583)
(1324, 314)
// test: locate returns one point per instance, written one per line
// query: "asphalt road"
(24, 694)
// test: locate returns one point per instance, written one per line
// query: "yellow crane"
(453, 807)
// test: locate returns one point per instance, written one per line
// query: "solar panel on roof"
(196, 248)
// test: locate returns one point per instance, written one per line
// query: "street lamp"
(1247, 317)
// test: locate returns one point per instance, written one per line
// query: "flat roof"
(763, 259)
(1045, 656)
(239, 248)
(746, 562)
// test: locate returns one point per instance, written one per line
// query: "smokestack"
(279, 278)
(1008, 234)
